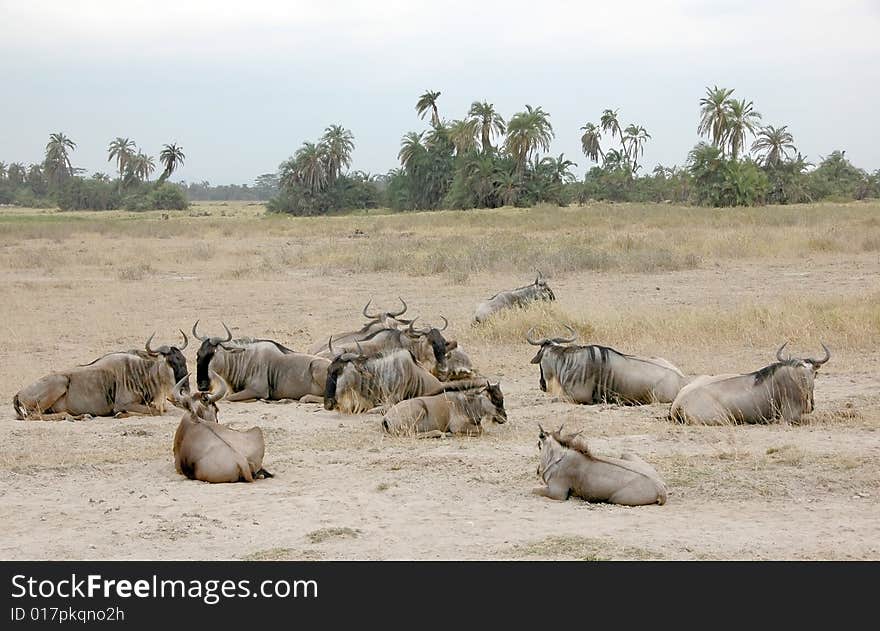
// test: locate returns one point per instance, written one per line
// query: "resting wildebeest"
(514, 298)
(568, 467)
(449, 412)
(207, 451)
(427, 345)
(597, 374)
(260, 369)
(358, 383)
(120, 383)
(376, 322)
(783, 390)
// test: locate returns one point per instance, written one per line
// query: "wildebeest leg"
(31, 402)
(311, 398)
(262, 473)
(135, 408)
(379, 409)
(434, 433)
(641, 491)
(244, 395)
(555, 490)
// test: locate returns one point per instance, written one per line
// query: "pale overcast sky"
(240, 85)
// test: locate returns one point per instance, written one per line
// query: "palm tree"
(608, 122)
(714, 115)
(138, 168)
(171, 156)
(616, 159)
(776, 142)
(426, 102)
(526, 133)
(310, 160)
(637, 136)
(2, 170)
(121, 149)
(411, 148)
(339, 143)
(16, 173)
(488, 121)
(507, 187)
(590, 142)
(741, 118)
(560, 169)
(58, 164)
(463, 135)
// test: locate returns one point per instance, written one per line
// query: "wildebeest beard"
(203, 361)
(333, 373)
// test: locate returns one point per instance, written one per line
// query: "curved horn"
(399, 313)
(360, 348)
(147, 345)
(819, 362)
(565, 340)
(538, 277)
(541, 429)
(185, 340)
(221, 392)
(330, 345)
(367, 315)
(196, 335)
(779, 352)
(529, 339)
(445, 324)
(409, 330)
(228, 333)
(177, 393)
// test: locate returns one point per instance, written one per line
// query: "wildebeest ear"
(541, 433)
(451, 344)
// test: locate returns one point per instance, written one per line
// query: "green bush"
(79, 194)
(168, 197)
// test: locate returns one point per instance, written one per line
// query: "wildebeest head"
(799, 372)
(458, 365)
(201, 404)
(173, 355)
(542, 289)
(546, 342)
(551, 451)
(494, 410)
(344, 372)
(433, 338)
(206, 354)
(389, 319)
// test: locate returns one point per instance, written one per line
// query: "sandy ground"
(107, 488)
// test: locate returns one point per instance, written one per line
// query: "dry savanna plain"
(713, 291)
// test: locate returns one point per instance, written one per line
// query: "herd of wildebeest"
(423, 384)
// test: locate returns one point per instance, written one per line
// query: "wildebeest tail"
(16, 403)
(262, 473)
(661, 495)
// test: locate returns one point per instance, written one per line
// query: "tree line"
(55, 181)
(479, 160)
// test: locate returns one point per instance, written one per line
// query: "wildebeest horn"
(185, 340)
(401, 312)
(367, 315)
(540, 342)
(196, 335)
(228, 333)
(445, 324)
(541, 429)
(409, 330)
(565, 340)
(360, 349)
(779, 352)
(147, 345)
(330, 345)
(221, 392)
(538, 277)
(819, 362)
(177, 393)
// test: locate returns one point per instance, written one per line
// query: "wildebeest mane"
(768, 371)
(243, 341)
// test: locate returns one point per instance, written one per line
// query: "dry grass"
(577, 548)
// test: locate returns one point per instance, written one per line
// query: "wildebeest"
(598, 374)
(208, 451)
(568, 467)
(458, 366)
(449, 412)
(375, 322)
(427, 345)
(260, 369)
(514, 298)
(119, 383)
(782, 390)
(358, 383)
